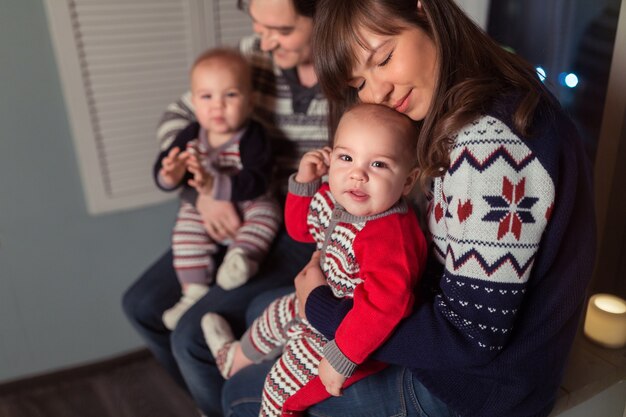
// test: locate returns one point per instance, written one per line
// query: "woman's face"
(283, 32)
(398, 71)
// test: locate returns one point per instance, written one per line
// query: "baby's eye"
(232, 94)
(346, 158)
(379, 164)
(206, 96)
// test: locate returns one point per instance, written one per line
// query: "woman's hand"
(221, 220)
(307, 280)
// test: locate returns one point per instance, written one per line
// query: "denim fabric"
(183, 352)
(394, 392)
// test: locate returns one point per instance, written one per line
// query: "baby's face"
(370, 168)
(220, 96)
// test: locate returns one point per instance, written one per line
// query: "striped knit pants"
(194, 249)
(292, 384)
(280, 328)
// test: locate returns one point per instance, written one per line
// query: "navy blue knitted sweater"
(513, 247)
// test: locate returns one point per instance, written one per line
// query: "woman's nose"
(379, 91)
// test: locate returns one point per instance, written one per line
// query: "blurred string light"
(541, 73)
(568, 79)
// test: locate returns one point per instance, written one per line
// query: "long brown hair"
(473, 69)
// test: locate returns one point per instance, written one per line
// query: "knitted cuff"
(338, 360)
(303, 189)
(252, 353)
(163, 186)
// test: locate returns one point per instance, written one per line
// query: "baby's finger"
(193, 162)
(172, 155)
(326, 155)
(195, 183)
(184, 156)
(195, 170)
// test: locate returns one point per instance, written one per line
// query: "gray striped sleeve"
(176, 117)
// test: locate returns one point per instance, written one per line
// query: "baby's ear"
(410, 181)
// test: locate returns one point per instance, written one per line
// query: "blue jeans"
(183, 352)
(394, 392)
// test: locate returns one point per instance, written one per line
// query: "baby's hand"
(173, 167)
(202, 181)
(313, 165)
(332, 380)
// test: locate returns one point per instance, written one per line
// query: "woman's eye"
(360, 86)
(378, 164)
(386, 60)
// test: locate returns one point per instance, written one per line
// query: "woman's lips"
(403, 104)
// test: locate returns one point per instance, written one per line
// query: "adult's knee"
(132, 306)
(241, 394)
(187, 341)
(263, 300)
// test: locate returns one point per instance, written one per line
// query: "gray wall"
(62, 271)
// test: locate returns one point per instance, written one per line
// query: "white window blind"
(121, 62)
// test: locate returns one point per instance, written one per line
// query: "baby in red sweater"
(372, 250)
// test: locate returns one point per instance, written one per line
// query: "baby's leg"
(263, 340)
(193, 248)
(269, 332)
(193, 252)
(261, 221)
(295, 368)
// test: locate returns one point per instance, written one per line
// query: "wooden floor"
(130, 386)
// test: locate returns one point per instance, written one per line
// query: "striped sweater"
(513, 234)
(291, 133)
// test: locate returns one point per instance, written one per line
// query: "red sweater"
(376, 260)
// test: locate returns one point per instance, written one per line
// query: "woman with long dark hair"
(510, 216)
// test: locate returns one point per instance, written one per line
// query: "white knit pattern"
(495, 187)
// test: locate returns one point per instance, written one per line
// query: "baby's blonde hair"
(228, 56)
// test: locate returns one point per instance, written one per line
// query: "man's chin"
(284, 62)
